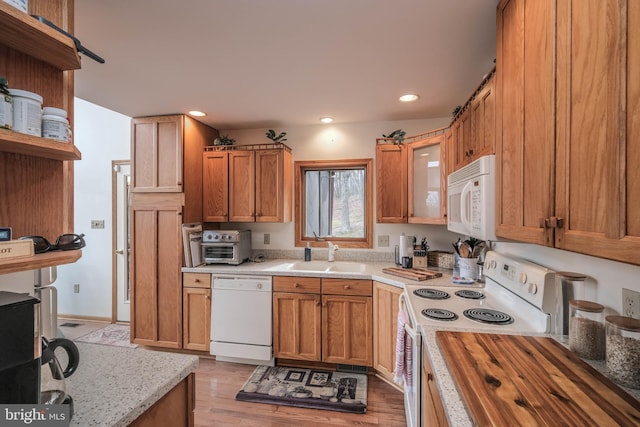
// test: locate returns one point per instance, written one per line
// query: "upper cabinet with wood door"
(391, 182)
(36, 188)
(473, 129)
(247, 183)
(569, 125)
(411, 179)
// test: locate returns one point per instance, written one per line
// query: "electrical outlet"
(97, 223)
(267, 239)
(383, 241)
(76, 288)
(630, 303)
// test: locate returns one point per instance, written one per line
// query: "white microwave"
(471, 192)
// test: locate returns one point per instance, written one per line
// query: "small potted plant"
(223, 140)
(271, 134)
(397, 135)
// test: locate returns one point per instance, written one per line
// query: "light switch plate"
(97, 223)
(383, 241)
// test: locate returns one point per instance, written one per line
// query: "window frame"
(300, 167)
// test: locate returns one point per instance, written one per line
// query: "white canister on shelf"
(27, 112)
(6, 110)
(55, 124)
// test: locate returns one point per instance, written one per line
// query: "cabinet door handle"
(196, 280)
(347, 286)
(318, 301)
(178, 183)
(296, 285)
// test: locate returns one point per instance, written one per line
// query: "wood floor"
(218, 382)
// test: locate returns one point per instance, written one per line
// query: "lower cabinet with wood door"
(385, 329)
(196, 311)
(328, 320)
(174, 409)
(296, 318)
(156, 263)
(433, 413)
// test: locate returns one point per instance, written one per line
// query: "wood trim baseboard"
(82, 317)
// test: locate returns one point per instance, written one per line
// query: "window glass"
(334, 202)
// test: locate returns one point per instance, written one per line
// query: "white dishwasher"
(241, 319)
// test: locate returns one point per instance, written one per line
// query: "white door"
(122, 182)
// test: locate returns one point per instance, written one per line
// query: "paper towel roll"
(405, 246)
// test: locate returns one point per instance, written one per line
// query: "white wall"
(101, 135)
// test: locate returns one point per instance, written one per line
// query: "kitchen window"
(334, 202)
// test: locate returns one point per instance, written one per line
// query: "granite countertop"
(339, 269)
(114, 385)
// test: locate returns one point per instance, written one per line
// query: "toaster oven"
(226, 246)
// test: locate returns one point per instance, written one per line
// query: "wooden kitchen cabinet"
(347, 321)
(242, 178)
(297, 318)
(483, 120)
(427, 184)
(166, 193)
(174, 408)
(37, 185)
(462, 135)
(385, 329)
(274, 185)
(328, 320)
(166, 152)
(156, 262)
(473, 130)
(568, 126)
(391, 183)
(411, 179)
(433, 412)
(196, 311)
(247, 183)
(215, 186)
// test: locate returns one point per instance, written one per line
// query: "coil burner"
(486, 315)
(429, 293)
(470, 294)
(439, 314)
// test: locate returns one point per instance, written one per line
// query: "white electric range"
(517, 297)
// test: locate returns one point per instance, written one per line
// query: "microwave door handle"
(464, 205)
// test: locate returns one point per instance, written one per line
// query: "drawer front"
(307, 285)
(196, 280)
(357, 287)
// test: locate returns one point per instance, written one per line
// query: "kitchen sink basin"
(322, 266)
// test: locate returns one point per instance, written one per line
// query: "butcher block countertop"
(533, 381)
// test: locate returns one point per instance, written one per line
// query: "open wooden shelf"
(35, 262)
(26, 34)
(21, 143)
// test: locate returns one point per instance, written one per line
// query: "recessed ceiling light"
(197, 113)
(408, 98)
(326, 119)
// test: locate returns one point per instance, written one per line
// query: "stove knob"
(215, 237)
(533, 288)
(522, 278)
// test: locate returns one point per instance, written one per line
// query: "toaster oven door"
(220, 253)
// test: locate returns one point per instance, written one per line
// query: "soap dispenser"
(307, 252)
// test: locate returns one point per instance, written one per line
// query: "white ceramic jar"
(27, 112)
(55, 124)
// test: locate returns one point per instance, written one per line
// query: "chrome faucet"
(332, 251)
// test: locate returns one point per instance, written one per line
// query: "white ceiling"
(284, 63)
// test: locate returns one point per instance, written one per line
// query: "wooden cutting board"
(412, 273)
(534, 381)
